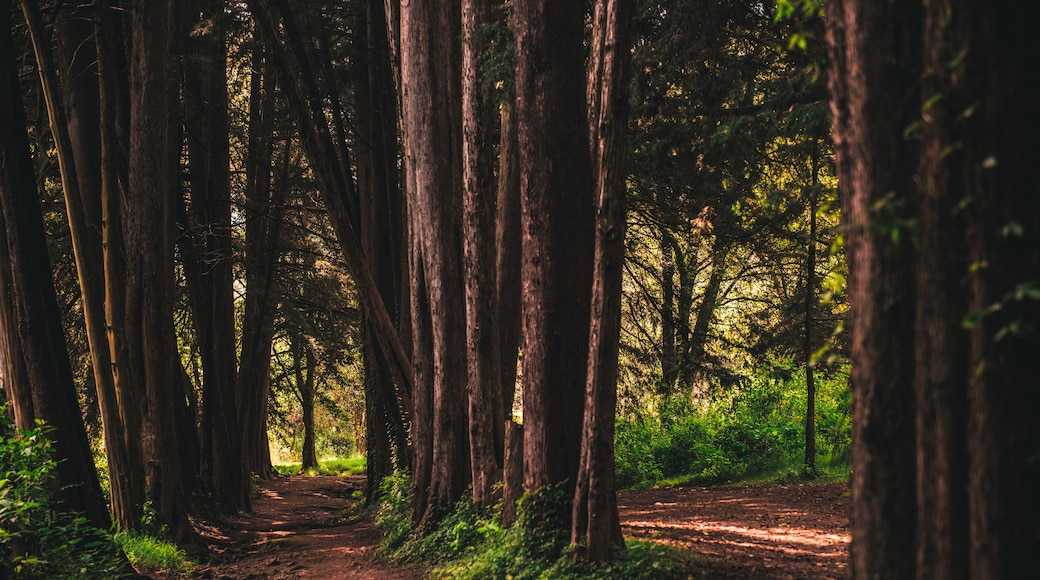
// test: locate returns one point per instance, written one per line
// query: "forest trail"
(302, 527)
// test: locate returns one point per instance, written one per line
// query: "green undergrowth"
(467, 544)
(153, 554)
(39, 539)
(337, 467)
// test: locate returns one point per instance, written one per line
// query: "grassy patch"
(337, 467)
(150, 553)
(465, 544)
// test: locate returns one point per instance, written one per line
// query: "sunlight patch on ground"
(271, 495)
(779, 538)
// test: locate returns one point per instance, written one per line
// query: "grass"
(338, 467)
(150, 553)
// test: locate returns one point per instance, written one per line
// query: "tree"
(431, 114)
(596, 525)
(32, 323)
(963, 210)
(557, 225)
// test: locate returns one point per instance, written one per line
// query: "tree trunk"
(40, 336)
(303, 366)
(263, 213)
(383, 237)
(114, 124)
(209, 223)
(810, 301)
(596, 529)
(431, 108)
(507, 258)
(486, 410)
(557, 224)
(149, 241)
(996, 177)
(873, 67)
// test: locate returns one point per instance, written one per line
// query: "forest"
(501, 276)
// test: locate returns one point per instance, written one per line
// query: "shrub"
(37, 540)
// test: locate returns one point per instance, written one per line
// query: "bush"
(465, 544)
(37, 540)
(749, 430)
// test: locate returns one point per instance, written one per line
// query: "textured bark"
(383, 238)
(873, 54)
(114, 122)
(507, 257)
(30, 289)
(513, 471)
(810, 301)
(209, 233)
(263, 211)
(484, 390)
(998, 180)
(596, 528)
(557, 224)
(431, 112)
(149, 243)
(942, 356)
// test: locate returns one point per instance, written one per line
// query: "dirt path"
(301, 528)
(770, 533)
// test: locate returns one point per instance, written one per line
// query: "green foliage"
(746, 431)
(466, 544)
(149, 552)
(37, 540)
(336, 467)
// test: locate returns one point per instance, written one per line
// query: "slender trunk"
(486, 410)
(149, 240)
(810, 299)
(303, 368)
(669, 359)
(693, 363)
(263, 211)
(114, 120)
(596, 527)
(873, 80)
(507, 258)
(209, 223)
(31, 291)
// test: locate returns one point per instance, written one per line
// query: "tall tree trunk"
(383, 237)
(303, 369)
(596, 526)
(149, 242)
(557, 223)
(40, 336)
(263, 211)
(874, 56)
(114, 126)
(995, 53)
(73, 108)
(507, 258)
(810, 301)
(209, 223)
(486, 410)
(431, 110)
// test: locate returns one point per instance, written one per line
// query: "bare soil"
(304, 527)
(771, 533)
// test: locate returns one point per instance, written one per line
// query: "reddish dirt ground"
(301, 527)
(770, 533)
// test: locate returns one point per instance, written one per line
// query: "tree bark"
(507, 258)
(557, 224)
(810, 301)
(596, 528)
(40, 335)
(874, 56)
(149, 242)
(484, 390)
(431, 108)
(209, 231)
